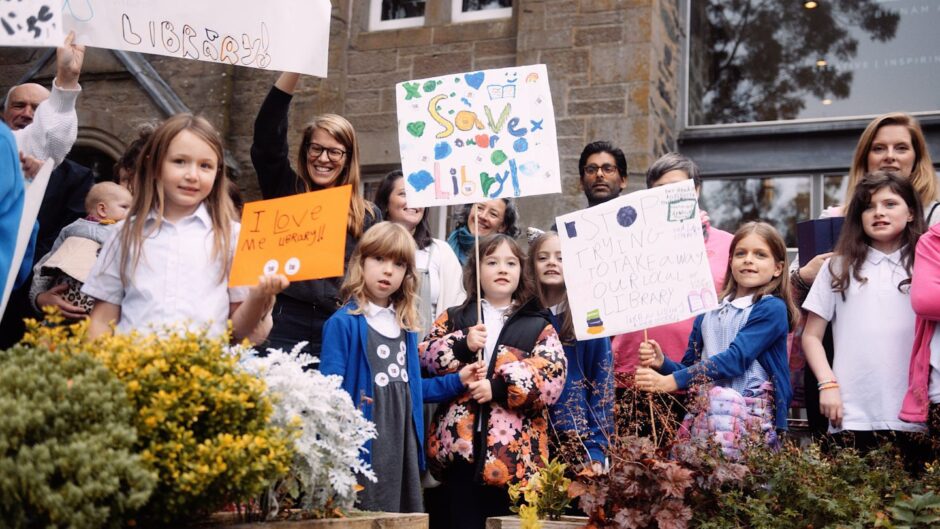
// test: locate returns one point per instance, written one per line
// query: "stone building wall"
(613, 66)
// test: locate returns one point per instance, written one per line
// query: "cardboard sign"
(284, 35)
(301, 236)
(35, 191)
(31, 23)
(477, 136)
(636, 262)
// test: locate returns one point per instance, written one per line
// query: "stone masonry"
(613, 66)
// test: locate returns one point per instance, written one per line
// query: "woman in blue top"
(741, 346)
(582, 418)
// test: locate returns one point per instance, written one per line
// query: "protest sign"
(636, 261)
(31, 23)
(477, 136)
(288, 35)
(301, 236)
(35, 191)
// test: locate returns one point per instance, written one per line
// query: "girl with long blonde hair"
(372, 344)
(169, 262)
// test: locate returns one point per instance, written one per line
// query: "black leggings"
(469, 501)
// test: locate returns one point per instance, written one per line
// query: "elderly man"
(45, 126)
(49, 130)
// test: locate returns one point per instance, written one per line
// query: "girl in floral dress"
(495, 434)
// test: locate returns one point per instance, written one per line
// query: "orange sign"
(301, 236)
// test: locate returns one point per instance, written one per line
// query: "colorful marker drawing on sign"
(636, 262)
(477, 136)
(301, 236)
(30, 23)
(218, 32)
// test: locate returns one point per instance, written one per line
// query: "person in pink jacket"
(922, 400)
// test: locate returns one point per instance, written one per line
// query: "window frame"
(377, 24)
(458, 15)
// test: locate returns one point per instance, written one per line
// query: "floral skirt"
(733, 421)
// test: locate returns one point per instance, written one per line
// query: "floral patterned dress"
(507, 437)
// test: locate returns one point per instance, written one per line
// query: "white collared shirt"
(873, 333)
(494, 318)
(176, 283)
(382, 319)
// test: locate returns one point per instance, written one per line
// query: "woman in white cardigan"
(439, 271)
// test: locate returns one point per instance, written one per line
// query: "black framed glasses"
(607, 168)
(315, 150)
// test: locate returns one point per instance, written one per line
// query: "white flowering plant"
(330, 431)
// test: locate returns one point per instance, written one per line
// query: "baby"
(59, 275)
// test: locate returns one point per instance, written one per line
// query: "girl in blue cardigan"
(582, 418)
(372, 344)
(741, 346)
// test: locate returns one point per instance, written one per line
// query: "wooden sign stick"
(649, 397)
(476, 244)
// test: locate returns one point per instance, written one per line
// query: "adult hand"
(651, 354)
(476, 338)
(830, 405)
(287, 82)
(31, 166)
(54, 298)
(69, 60)
(481, 391)
(649, 380)
(809, 272)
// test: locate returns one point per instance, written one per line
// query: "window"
(768, 60)
(396, 14)
(782, 201)
(472, 10)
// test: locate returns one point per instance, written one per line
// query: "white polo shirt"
(873, 333)
(176, 282)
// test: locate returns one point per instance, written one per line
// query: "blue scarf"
(461, 240)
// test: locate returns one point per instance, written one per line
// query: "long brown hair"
(342, 131)
(149, 196)
(566, 333)
(389, 241)
(488, 245)
(778, 286)
(853, 245)
(923, 177)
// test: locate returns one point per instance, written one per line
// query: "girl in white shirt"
(864, 290)
(169, 262)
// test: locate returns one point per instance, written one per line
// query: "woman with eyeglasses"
(328, 157)
(495, 216)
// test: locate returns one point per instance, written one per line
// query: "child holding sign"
(496, 433)
(864, 290)
(741, 346)
(169, 262)
(582, 417)
(371, 342)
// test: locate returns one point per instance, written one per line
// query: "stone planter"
(512, 522)
(366, 520)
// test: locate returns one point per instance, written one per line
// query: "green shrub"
(802, 487)
(202, 424)
(66, 443)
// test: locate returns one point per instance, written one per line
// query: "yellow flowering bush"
(202, 424)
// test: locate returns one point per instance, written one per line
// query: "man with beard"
(603, 170)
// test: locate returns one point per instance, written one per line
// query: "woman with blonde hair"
(328, 157)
